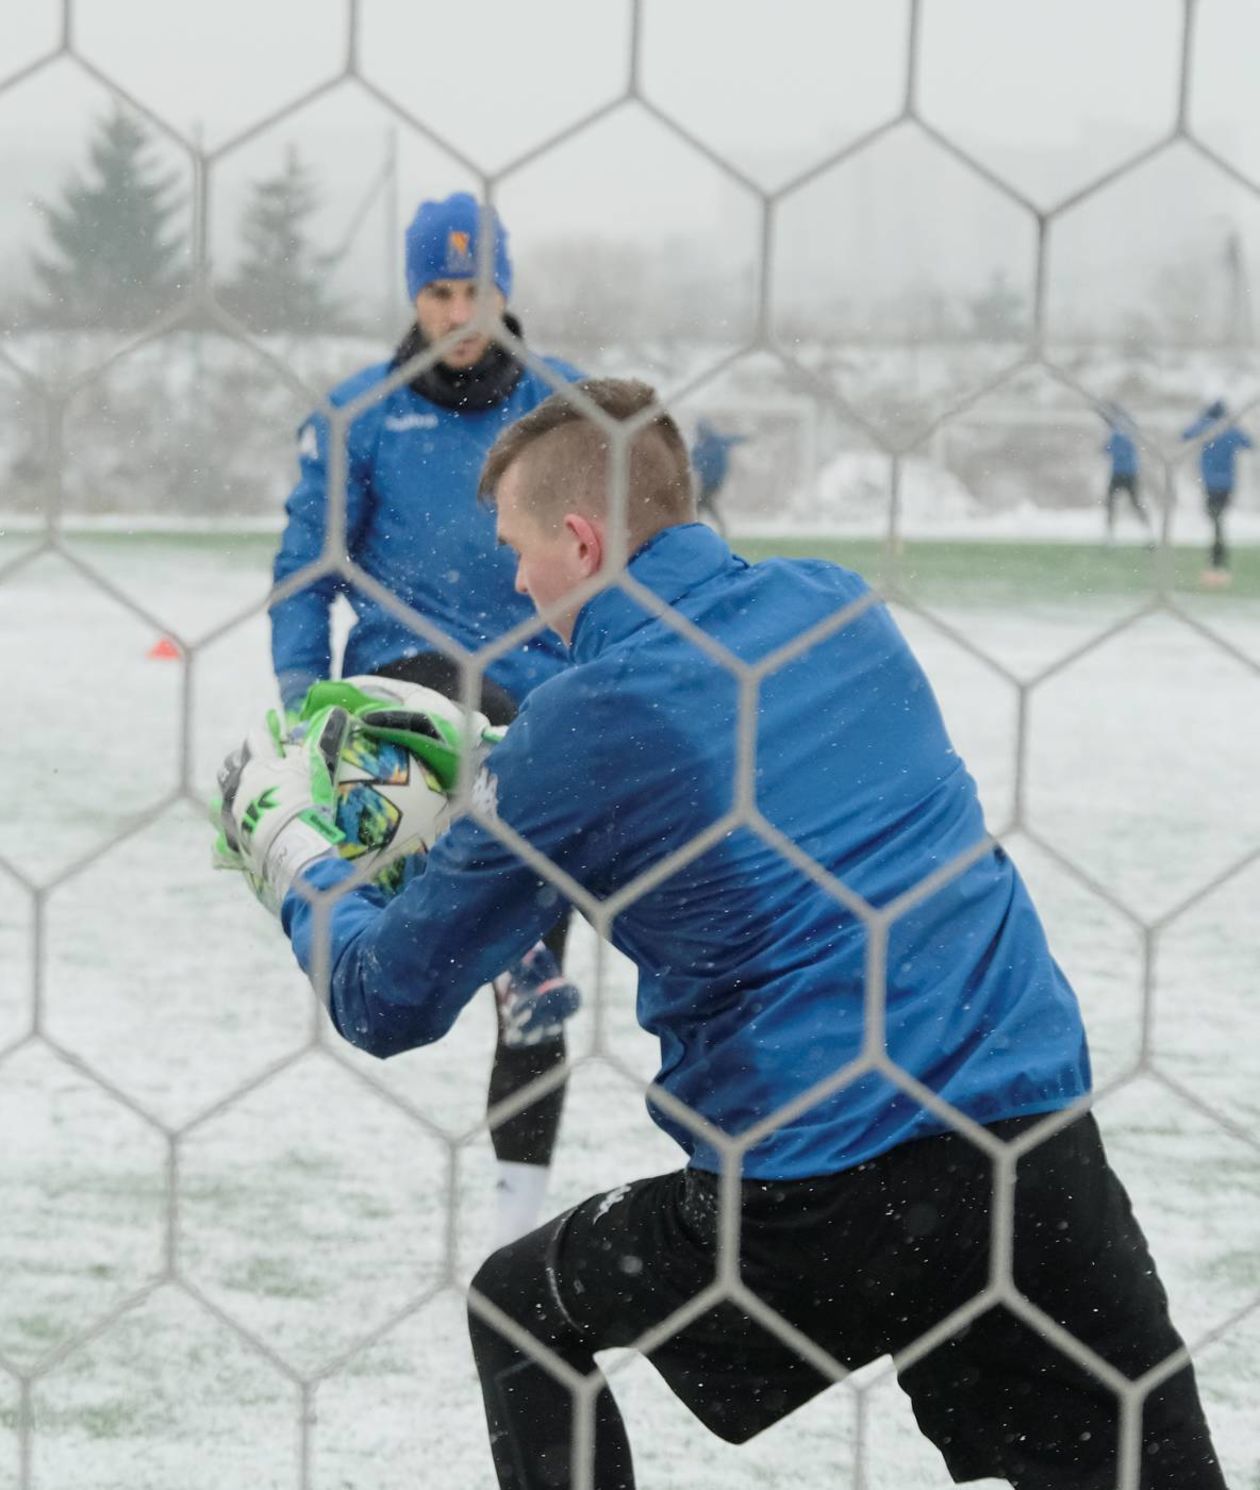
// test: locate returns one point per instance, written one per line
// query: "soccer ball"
(389, 804)
(404, 695)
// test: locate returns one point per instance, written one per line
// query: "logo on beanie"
(459, 258)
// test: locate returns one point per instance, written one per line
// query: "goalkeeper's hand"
(277, 808)
(422, 720)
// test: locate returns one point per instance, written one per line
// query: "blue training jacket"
(751, 974)
(1122, 449)
(710, 456)
(1216, 459)
(414, 524)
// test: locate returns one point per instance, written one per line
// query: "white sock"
(519, 1197)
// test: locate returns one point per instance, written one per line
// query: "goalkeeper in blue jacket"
(414, 526)
(858, 1013)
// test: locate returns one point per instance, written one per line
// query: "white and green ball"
(389, 805)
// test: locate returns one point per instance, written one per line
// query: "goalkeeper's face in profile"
(553, 558)
(551, 476)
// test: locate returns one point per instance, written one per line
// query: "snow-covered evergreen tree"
(281, 283)
(116, 254)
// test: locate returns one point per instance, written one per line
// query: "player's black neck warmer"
(470, 389)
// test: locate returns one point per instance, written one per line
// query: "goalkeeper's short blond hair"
(565, 460)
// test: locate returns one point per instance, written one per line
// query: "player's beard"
(490, 380)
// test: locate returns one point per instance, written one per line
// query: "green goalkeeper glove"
(277, 807)
(422, 720)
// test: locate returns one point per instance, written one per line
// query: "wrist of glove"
(450, 741)
(276, 810)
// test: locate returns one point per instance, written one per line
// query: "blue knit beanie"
(442, 243)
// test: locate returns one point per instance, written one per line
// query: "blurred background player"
(1121, 448)
(711, 462)
(1217, 458)
(414, 524)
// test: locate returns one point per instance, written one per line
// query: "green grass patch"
(1003, 573)
(110, 1420)
(953, 571)
(273, 1278)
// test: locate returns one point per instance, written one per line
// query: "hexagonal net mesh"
(238, 1251)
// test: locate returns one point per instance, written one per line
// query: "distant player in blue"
(864, 1217)
(1121, 448)
(1217, 458)
(415, 527)
(711, 461)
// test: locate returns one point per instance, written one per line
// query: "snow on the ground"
(855, 488)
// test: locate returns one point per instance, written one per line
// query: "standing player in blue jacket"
(1216, 465)
(711, 461)
(801, 1042)
(1121, 448)
(414, 525)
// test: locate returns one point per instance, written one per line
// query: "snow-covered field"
(231, 1248)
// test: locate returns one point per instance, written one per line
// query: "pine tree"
(997, 314)
(281, 284)
(117, 260)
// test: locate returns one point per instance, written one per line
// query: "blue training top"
(1216, 459)
(752, 973)
(1122, 449)
(710, 456)
(414, 524)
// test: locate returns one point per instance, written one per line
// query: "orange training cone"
(165, 650)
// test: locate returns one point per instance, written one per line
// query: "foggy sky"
(1048, 93)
